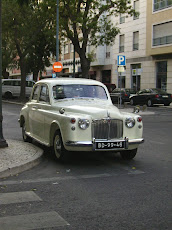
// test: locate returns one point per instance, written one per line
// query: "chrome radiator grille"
(107, 129)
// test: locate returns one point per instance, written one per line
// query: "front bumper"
(92, 144)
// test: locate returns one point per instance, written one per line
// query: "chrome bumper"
(91, 144)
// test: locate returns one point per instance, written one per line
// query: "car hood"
(95, 108)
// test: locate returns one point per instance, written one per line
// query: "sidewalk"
(18, 157)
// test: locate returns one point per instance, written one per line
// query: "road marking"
(135, 171)
(63, 178)
(55, 179)
(157, 142)
(32, 221)
(18, 197)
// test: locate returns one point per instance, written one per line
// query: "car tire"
(26, 138)
(8, 95)
(128, 154)
(58, 147)
(132, 102)
(149, 103)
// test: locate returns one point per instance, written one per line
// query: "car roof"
(63, 81)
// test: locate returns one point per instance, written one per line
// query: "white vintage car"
(71, 114)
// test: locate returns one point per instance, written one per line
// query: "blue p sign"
(121, 60)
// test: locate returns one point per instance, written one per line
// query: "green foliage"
(88, 22)
(28, 32)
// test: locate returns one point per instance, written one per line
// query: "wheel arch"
(22, 120)
(7, 93)
(54, 127)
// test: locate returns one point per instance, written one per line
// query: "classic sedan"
(150, 97)
(69, 114)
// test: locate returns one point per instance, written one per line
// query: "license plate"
(164, 96)
(110, 145)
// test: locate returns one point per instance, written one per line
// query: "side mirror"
(136, 109)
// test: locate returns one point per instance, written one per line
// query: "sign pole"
(120, 90)
(121, 63)
(57, 35)
(3, 142)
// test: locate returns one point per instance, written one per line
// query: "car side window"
(7, 82)
(142, 92)
(35, 93)
(44, 95)
(16, 83)
(29, 83)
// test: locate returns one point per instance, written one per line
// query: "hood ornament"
(108, 114)
(108, 117)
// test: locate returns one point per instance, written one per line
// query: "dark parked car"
(151, 97)
(125, 95)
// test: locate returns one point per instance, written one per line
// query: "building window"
(121, 43)
(162, 34)
(135, 40)
(108, 51)
(136, 76)
(121, 81)
(122, 18)
(161, 4)
(66, 49)
(106, 76)
(136, 8)
(71, 48)
(161, 75)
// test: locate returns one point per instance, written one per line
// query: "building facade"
(146, 43)
(159, 42)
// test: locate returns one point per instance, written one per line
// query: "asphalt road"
(93, 191)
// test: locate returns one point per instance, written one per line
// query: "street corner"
(18, 157)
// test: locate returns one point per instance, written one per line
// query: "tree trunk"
(85, 66)
(5, 74)
(35, 75)
(23, 78)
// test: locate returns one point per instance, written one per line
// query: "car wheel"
(26, 138)
(149, 103)
(8, 95)
(132, 102)
(58, 147)
(128, 154)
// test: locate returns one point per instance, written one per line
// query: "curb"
(14, 102)
(16, 168)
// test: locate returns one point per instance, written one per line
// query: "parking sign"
(121, 60)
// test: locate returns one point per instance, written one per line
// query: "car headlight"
(83, 123)
(130, 122)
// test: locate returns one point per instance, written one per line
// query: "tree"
(45, 46)
(27, 23)
(87, 22)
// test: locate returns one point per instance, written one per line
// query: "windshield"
(79, 91)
